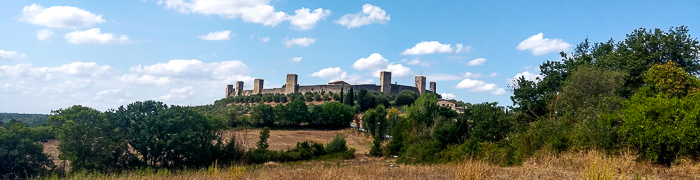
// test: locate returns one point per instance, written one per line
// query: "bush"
(337, 145)
(405, 97)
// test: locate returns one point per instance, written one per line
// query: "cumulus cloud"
(180, 93)
(539, 45)
(102, 95)
(373, 61)
(447, 95)
(338, 74)
(443, 77)
(265, 39)
(296, 59)
(217, 36)
(476, 62)
(44, 34)
(94, 36)
(305, 20)
(428, 47)
(64, 17)
(370, 14)
(416, 61)
(255, 11)
(480, 86)
(304, 42)
(76, 69)
(527, 75)
(461, 48)
(397, 70)
(145, 80)
(11, 55)
(330, 72)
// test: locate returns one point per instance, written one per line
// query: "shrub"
(337, 145)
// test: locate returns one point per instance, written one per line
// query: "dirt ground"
(287, 139)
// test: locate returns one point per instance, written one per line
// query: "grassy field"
(582, 165)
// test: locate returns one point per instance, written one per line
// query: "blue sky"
(102, 54)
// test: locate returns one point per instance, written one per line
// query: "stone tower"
(432, 87)
(291, 85)
(258, 86)
(420, 84)
(385, 82)
(229, 90)
(239, 88)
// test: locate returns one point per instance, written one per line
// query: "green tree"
(264, 135)
(90, 141)
(168, 136)
(298, 112)
(490, 122)
(263, 114)
(335, 115)
(405, 97)
(374, 120)
(337, 145)
(661, 119)
(349, 98)
(20, 156)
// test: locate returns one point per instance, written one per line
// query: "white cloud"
(64, 17)
(94, 36)
(539, 45)
(447, 96)
(476, 62)
(75, 69)
(330, 72)
(479, 86)
(527, 75)
(108, 93)
(255, 11)
(181, 93)
(338, 74)
(145, 80)
(305, 20)
(44, 34)
(461, 48)
(304, 42)
(498, 91)
(217, 36)
(370, 14)
(296, 59)
(428, 47)
(372, 62)
(265, 39)
(493, 75)
(397, 70)
(443, 77)
(416, 61)
(11, 55)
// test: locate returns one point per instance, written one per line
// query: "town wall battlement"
(291, 86)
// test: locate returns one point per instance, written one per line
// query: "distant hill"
(29, 119)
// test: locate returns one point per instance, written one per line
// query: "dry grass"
(287, 139)
(544, 165)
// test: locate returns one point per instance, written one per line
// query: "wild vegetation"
(602, 112)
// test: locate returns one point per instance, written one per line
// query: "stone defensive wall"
(291, 86)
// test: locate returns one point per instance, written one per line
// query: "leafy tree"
(167, 136)
(335, 115)
(425, 110)
(20, 156)
(490, 122)
(349, 98)
(90, 141)
(264, 135)
(374, 120)
(263, 114)
(376, 149)
(317, 97)
(661, 119)
(591, 91)
(405, 97)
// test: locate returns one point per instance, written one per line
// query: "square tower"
(420, 84)
(239, 88)
(385, 80)
(432, 87)
(258, 86)
(291, 85)
(229, 90)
